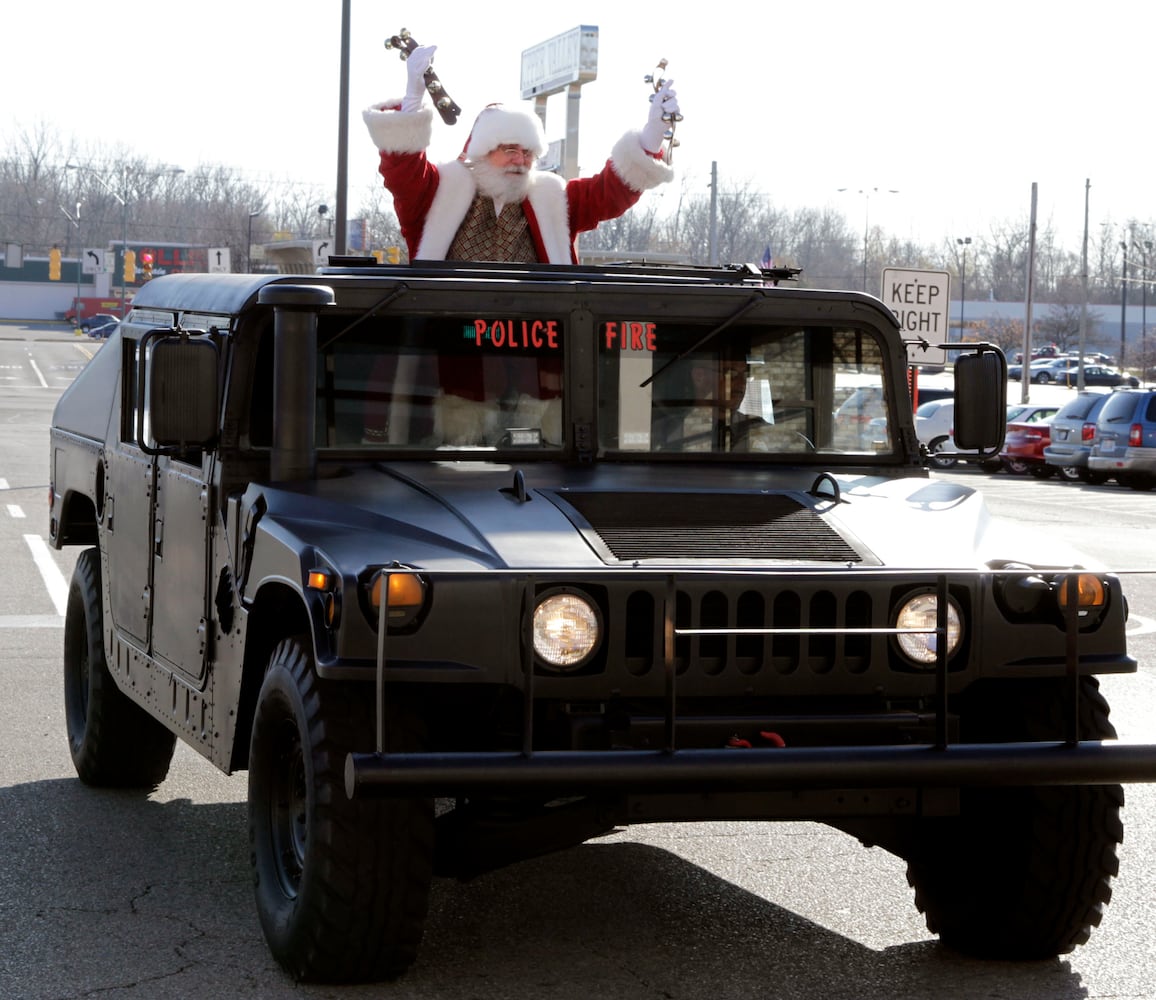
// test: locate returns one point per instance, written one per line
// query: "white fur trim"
(636, 166)
(497, 126)
(548, 199)
(455, 194)
(395, 131)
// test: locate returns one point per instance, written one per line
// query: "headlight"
(566, 630)
(921, 612)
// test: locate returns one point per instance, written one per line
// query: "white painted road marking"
(53, 578)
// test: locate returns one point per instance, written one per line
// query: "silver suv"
(1073, 430)
(1125, 445)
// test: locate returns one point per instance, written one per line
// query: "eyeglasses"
(513, 149)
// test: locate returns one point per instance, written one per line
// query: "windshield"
(442, 383)
(765, 389)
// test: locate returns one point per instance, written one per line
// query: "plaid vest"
(486, 236)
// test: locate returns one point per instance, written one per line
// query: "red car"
(1023, 449)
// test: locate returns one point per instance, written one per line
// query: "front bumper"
(560, 773)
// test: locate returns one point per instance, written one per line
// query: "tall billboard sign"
(552, 65)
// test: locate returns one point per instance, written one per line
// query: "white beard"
(505, 185)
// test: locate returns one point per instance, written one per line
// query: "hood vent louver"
(635, 526)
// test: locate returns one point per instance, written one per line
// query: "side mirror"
(181, 407)
(981, 400)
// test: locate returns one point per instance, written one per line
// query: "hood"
(462, 515)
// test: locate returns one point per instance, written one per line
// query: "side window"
(435, 383)
(128, 397)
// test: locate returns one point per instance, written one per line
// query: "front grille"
(775, 527)
(637, 644)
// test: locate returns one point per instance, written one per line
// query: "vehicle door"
(180, 563)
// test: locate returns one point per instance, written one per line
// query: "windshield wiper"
(737, 314)
(371, 311)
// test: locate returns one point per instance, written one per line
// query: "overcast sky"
(960, 108)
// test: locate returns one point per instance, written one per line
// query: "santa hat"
(499, 126)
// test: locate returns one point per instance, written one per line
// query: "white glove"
(418, 61)
(663, 102)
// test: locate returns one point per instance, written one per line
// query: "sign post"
(919, 300)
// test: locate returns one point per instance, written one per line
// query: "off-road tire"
(1022, 873)
(940, 459)
(113, 741)
(342, 886)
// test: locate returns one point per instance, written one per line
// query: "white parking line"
(53, 578)
(15, 510)
(39, 373)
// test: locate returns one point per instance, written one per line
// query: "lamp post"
(866, 193)
(249, 243)
(1144, 249)
(1123, 301)
(964, 242)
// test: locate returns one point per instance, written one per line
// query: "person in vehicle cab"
(714, 421)
(493, 203)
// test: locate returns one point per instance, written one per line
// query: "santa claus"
(492, 203)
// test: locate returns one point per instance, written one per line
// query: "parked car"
(103, 331)
(1103, 375)
(1015, 372)
(1125, 442)
(934, 426)
(1073, 430)
(96, 322)
(1061, 370)
(1047, 351)
(1023, 448)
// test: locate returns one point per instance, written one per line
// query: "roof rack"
(619, 271)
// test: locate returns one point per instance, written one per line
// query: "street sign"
(321, 251)
(220, 260)
(93, 261)
(920, 301)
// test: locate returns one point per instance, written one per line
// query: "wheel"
(938, 457)
(1042, 471)
(1043, 378)
(113, 741)
(1070, 473)
(1022, 873)
(1016, 466)
(341, 886)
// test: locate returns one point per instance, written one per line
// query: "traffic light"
(393, 254)
(146, 265)
(54, 264)
(129, 267)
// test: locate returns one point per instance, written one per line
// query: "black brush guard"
(941, 764)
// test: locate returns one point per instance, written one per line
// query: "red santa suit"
(431, 200)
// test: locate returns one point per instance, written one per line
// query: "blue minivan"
(1125, 445)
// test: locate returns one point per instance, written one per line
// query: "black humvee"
(466, 563)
